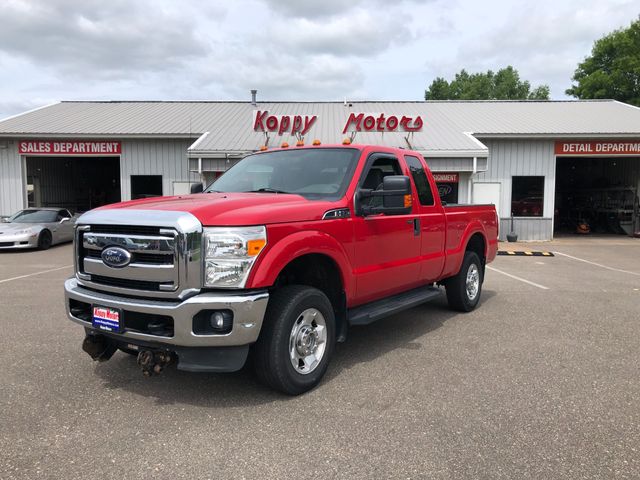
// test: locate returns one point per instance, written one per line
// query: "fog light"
(212, 322)
(220, 319)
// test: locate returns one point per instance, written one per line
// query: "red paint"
(69, 147)
(600, 147)
(281, 124)
(367, 122)
(446, 177)
(376, 255)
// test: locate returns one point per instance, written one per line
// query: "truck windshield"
(319, 173)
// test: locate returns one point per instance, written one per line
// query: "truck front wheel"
(463, 290)
(296, 341)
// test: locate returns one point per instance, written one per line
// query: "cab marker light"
(316, 142)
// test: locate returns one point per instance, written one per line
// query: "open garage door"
(76, 183)
(597, 195)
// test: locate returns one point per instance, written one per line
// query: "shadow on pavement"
(241, 389)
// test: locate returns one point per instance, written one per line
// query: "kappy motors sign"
(69, 147)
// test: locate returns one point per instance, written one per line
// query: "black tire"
(272, 362)
(44, 240)
(457, 294)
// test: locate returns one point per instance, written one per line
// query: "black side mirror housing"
(396, 197)
(197, 187)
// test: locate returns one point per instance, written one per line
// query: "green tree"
(613, 69)
(505, 84)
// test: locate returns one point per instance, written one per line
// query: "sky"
(52, 50)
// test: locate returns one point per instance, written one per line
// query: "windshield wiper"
(266, 190)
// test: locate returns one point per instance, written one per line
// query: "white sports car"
(37, 228)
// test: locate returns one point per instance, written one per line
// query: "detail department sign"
(600, 147)
(69, 147)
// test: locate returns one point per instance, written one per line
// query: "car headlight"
(24, 231)
(230, 252)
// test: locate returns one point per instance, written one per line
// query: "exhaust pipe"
(153, 362)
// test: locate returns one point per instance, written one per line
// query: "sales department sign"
(69, 147)
(599, 147)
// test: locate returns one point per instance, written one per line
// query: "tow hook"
(99, 347)
(153, 362)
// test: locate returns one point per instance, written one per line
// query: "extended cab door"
(387, 247)
(432, 221)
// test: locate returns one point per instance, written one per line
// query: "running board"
(373, 311)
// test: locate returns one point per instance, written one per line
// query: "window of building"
(447, 184)
(420, 179)
(527, 196)
(146, 186)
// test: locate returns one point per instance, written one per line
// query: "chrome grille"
(153, 265)
(165, 260)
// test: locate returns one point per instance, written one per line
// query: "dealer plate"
(107, 319)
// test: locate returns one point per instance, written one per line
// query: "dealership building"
(556, 166)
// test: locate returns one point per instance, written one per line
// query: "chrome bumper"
(248, 312)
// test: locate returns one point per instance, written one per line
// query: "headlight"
(230, 253)
(23, 231)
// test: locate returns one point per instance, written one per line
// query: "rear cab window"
(421, 180)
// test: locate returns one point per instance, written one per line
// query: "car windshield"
(319, 173)
(34, 216)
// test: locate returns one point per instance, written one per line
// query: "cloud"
(99, 38)
(361, 33)
(544, 42)
(314, 9)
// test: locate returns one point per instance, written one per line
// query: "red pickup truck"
(277, 258)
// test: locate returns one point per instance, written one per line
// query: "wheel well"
(476, 244)
(321, 272)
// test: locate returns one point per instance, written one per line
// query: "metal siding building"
(508, 158)
(485, 146)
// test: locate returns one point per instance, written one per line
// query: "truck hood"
(232, 209)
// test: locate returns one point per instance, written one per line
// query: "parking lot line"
(518, 278)
(597, 264)
(35, 273)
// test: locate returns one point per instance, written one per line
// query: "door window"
(380, 168)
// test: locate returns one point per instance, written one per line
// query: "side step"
(373, 311)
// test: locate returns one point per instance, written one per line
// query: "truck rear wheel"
(463, 290)
(296, 341)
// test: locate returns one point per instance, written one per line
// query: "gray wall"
(12, 190)
(155, 157)
(508, 158)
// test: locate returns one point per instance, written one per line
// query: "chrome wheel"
(473, 282)
(307, 341)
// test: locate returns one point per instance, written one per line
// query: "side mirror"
(396, 197)
(64, 219)
(197, 188)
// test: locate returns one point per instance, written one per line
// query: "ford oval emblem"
(116, 257)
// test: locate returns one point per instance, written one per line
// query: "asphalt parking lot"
(541, 381)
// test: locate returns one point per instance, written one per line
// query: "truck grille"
(154, 265)
(164, 252)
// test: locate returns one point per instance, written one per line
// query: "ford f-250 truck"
(278, 257)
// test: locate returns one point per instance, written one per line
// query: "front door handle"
(416, 226)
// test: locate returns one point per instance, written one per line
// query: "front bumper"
(25, 240)
(248, 312)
